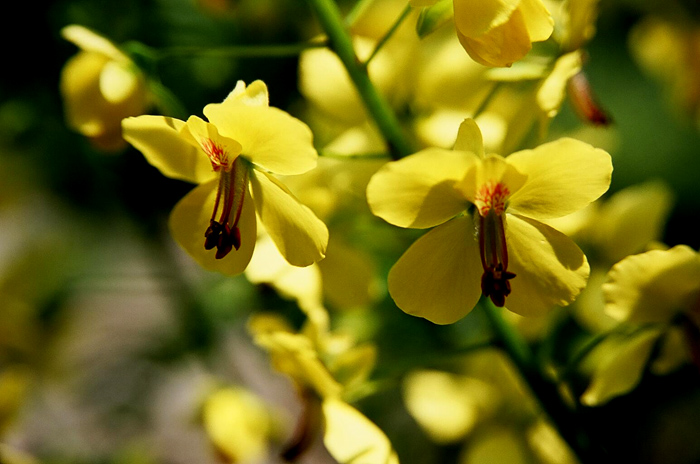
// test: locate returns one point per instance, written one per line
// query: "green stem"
(489, 97)
(341, 43)
(546, 392)
(404, 14)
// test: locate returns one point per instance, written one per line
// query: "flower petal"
(476, 17)
(302, 284)
(90, 41)
(206, 136)
(538, 21)
(500, 46)
(489, 172)
(299, 235)
(238, 423)
(159, 139)
(653, 286)
(352, 438)
(439, 276)
(550, 269)
(563, 177)
(631, 219)
(253, 95)
(294, 355)
(469, 138)
(190, 219)
(271, 138)
(418, 191)
(621, 370)
(552, 91)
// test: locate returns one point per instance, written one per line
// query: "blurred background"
(111, 338)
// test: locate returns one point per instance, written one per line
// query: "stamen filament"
(224, 233)
(494, 257)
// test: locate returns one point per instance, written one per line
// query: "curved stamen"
(224, 233)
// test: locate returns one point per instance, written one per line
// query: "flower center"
(491, 202)
(217, 155)
(223, 233)
(491, 196)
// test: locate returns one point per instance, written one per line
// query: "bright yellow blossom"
(100, 87)
(500, 32)
(231, 157)
(487, 236)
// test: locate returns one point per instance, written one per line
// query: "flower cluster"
(421, 171)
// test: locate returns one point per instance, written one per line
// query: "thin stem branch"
(489, 97)
(404, 14)
(235, 51)
(357, 10)
(330, 18)
(546, 392)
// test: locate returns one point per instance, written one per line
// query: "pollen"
(491, 196)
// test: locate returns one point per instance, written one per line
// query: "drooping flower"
(500, 32)
(100, 87)
(231, 157)
(487, 237)
(326, 369)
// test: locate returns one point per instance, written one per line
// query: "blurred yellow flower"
(346, 277)
(659, 292)
(100, 87)
(629, 221)
(486, 406)
(239, 424)
(485, 211)
(670, 52)
(326, 368)
(500, 32)
(655, 286)
(231, 157)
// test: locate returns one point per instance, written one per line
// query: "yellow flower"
(326, 368)
(500, 32)
(669, 51)
(653, 290)
(100, 87)
(655, 286)
(231, 157)
(628, 222)
(239, 424)
(485, 211)
(346, 277)
(486, 407)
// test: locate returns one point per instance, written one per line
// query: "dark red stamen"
(494, 258)
(224, 233)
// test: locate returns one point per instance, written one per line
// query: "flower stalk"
(340, 42)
